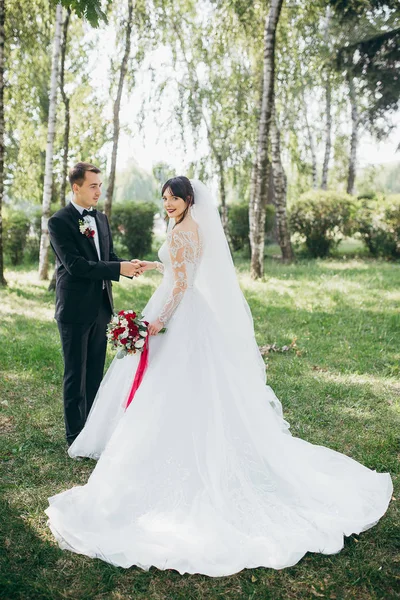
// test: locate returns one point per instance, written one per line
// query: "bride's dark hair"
(182, 188)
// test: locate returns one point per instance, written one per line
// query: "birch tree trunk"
(279, 181)
(48, 175)
(222, 196)
(351, 178)
(65, 100)
(312, 146)
(328, 133)
(2, 20)
(258, 199)
(328, 111)
(117, 106)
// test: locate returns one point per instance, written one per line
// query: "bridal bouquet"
(127, 332)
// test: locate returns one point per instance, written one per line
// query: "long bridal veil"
(217, 281)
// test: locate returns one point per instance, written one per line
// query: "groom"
(86, 264)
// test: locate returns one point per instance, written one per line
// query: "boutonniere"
(85, 229)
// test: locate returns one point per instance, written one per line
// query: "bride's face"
(174, 205)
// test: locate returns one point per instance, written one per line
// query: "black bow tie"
(89, 213)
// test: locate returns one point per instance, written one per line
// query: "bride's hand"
(155, 327)
(145, 265)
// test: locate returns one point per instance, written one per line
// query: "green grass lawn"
(340, 387)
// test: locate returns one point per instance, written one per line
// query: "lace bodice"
(180, 257)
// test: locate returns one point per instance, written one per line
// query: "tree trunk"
(261, 168)
(65, 99)
(224, 208)
(328, 103)
(222, 196)
(117, 105)
(48, 175)
(2, 20)
(312, 146)
(351, 178)
(279, 179)
(328, 133)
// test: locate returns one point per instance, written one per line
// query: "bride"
(200, 473)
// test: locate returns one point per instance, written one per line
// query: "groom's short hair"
(78, 171)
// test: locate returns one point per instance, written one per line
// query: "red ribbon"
(142, 367)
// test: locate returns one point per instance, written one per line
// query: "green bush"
(378, 223)
(132, 227)
(238, 224)
(32, 247)
(15, 231)
(322, 219)
(367, 196)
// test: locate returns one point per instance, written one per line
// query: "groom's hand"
(130, 269)
(145, 265)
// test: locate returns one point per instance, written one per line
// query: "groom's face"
(88, 194)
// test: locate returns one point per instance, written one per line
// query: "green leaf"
(87, 9)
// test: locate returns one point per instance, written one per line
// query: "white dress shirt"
(91, 221)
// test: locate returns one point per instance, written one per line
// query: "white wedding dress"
(200, 473)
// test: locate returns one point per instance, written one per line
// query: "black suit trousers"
(84, 348)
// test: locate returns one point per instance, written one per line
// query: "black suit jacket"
(80, 273)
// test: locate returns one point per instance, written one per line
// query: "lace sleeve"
(180, 247)
(159, 266)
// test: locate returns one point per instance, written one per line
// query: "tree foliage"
(87, 9)
(213, 65)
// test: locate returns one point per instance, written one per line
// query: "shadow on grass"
(127, 292)
(35, 569)
(23, 556)
(33, 292)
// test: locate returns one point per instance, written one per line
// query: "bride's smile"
(174, 206)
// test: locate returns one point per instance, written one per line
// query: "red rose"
(118, 331)
(133, 329)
